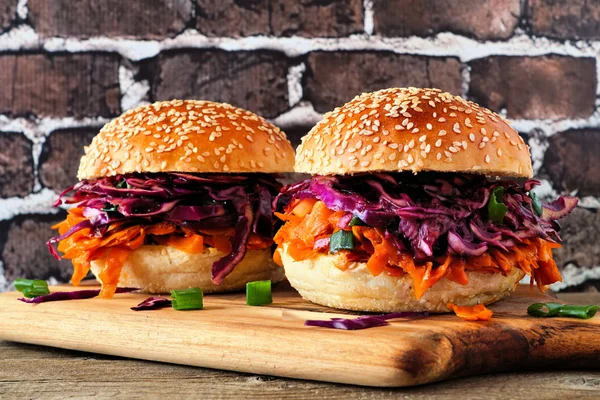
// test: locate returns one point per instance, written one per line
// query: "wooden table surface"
(28, 371)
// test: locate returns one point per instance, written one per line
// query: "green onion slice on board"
(562, 310)
(32, 287)
(187, 299)
(258, 293)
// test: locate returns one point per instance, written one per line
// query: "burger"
(412, 206)
(176, 195)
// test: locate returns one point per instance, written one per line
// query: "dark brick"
(60, 156)
(8, 13)
(546, 87)
(581, 234)
(24, 252)
(332, 79)
(324, 18)
(16, 165)
(565, 19)
(60, 85)
(482, 19)
(331, 18)
(131, 18)
(572, 161)
(233, 18)
(295, 133)
(254, 80)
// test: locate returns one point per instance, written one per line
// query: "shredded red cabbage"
(152, 303)
(435, 214)
(190, 201)
(74, 295)
(369, 321)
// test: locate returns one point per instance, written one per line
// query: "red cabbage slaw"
(190, 201)
(73, 295)
(153, 303)
(432, 214)
(364, 322)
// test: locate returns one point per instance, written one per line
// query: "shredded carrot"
(109, 275)
(471, 313)
(532, 256)
(120, 238)
(277, 257)
(192, 244)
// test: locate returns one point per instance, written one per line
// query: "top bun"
(187, 136)
(411, 129)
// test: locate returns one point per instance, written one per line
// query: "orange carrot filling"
(478, 312)
(308, 220)
(120, 240)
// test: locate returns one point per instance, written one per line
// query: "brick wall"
(68, 67)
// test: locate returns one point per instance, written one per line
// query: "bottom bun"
(160, 269)
(320, 281)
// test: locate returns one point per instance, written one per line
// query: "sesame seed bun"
(187, 136)
(318, 280)
(160, 269)
(410, 129)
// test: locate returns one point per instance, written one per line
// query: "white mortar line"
(294, 81)
(368, 17)
(573, 276)
(302, 114)
(34, 203)
(465, 74)
(39, 128)
(22, 9)
(4, 286)
(133, 93)
(443, 44)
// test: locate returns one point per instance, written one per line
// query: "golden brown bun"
(410, 129)
(160, 269)
(187, 136)
(318, 280)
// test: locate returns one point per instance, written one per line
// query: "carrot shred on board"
(306, 220)
(472, 313)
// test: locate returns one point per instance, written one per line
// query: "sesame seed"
(487, 158)
(429, 126)
(438, 143)
(481, 145)
(499, 151)
(456, 127)
(471, 137)
(410, 159)
(423, 138)
(442, 133)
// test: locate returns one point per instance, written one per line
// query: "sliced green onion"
(32, 287)
(562, 310)
(536, 203)
(496, 208)
(355, 221)
(123, 184)
(187, 299)
(109, 207)
(258, 293)
(341, 240)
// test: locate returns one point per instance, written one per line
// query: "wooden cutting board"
(273, 340)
